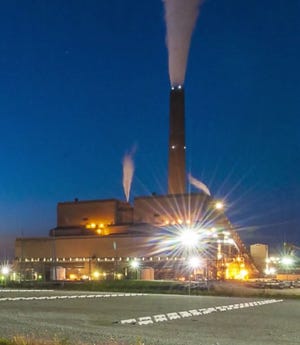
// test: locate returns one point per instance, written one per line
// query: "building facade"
(100, 239)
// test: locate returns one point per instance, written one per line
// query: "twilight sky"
(82, 82)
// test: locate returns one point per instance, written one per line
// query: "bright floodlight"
(219, 205)
(5, 270)
(287, 261)
(188, 238)
(134, 264)
(96, 274)
(194, 262)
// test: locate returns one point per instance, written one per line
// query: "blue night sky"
(82, 82)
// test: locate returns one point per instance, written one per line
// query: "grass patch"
(229, 289)
(140, 286)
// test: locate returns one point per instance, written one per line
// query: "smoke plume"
(180, 16)
(198, 184)
(128, 170)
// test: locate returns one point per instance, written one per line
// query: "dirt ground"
(89, 318)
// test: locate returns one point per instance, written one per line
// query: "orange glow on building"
(235, 270)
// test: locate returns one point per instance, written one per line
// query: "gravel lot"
(93, 318)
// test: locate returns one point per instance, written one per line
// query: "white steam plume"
(128, 170)
(180, 16)
(198, 184)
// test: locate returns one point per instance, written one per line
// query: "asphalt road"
(93, 318)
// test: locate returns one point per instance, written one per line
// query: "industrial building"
(101, 239)
(154, 238)
(260, 253)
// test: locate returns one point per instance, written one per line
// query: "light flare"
(194, 262)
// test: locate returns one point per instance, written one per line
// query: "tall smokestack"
(180, 18)
(176, 174)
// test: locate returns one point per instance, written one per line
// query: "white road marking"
(160, 318)
(173, 316)
(195, 312)
(129, 321)
(24, 290)
(69, 297)
(146, 320)
(184, 314)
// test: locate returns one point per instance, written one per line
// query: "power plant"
(101, 239)
(155, 238)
